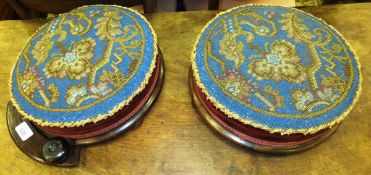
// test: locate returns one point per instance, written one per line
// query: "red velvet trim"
(250, 133)
(94, 129)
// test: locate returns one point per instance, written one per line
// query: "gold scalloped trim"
(100, 116)
(282, 131)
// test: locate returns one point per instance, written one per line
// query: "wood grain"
(174, 139)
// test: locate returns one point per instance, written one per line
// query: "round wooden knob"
(55, 151)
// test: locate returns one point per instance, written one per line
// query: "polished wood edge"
(249, 144)
(33, 145)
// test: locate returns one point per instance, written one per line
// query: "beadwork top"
(276, 68)
(83, 66)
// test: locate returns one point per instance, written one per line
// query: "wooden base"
(247, 140)
(33, 147)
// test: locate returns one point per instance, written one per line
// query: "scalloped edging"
(282, 131)
(99, 117)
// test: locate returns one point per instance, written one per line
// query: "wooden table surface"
(174, 139)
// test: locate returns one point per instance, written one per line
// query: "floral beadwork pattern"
(80, 93)
(239, 86)
(300, 68)
(72, 60)
(232, 49)
(42, 48)
(107, 26)
(330, 90)
(115, 78)
(84, 65)
(282, 63)
(62, 57)
(74, 63)
(295, 27)
(31, 81)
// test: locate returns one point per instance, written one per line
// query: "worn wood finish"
(174, 139)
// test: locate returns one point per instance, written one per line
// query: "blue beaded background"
(70, 115)
(246, 114)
